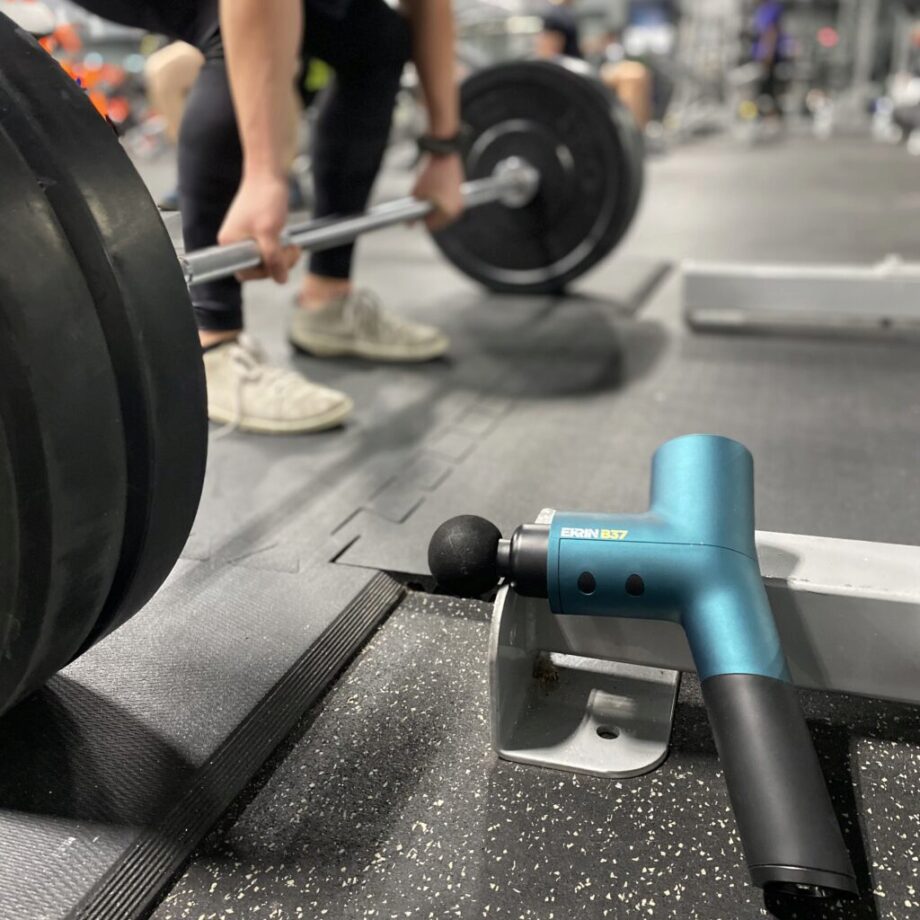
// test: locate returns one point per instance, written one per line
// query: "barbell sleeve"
(513, 182)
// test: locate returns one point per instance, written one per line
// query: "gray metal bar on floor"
(885, 296)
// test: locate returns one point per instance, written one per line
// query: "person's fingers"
(229, 235)
(285, 259)
(435, 220)
(273, 257)
(418, 192)
(252, 274)
(291, 255)
(446, 211)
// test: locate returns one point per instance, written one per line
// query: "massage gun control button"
(635, 586)
(586, 583)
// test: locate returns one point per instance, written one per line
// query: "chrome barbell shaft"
(513, 182)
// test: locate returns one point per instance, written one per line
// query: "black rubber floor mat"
(115, 770)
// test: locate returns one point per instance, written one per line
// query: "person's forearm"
(262, 43)
(434, 56)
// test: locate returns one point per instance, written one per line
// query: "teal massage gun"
(689, 559)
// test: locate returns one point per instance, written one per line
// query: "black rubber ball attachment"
(462, 555)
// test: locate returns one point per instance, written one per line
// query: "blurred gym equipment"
(754, 297)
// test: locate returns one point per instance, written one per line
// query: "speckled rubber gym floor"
(388, 802)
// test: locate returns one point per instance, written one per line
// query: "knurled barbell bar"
(513, 183)
(554, 173)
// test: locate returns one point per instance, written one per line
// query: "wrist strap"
(440, 146)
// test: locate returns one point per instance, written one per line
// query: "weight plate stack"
(588, 152)
(62, 462)
(9, 547)
(141, 300)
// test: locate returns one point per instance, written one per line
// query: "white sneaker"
(358, 325)
(247, 393)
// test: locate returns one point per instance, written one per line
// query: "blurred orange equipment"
(66, 38)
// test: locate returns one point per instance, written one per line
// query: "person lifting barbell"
(554, 165)
(233, 185)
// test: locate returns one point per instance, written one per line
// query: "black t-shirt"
(194, 21)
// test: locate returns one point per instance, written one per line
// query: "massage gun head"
(463, 555)
(468, 556)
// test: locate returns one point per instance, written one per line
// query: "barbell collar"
(513, 183)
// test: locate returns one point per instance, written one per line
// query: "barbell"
(554, 167)
(513, 183)
(103, 423)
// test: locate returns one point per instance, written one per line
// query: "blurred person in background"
(767, 51)
(559, 35)
(169, 75)
(904, 87)
(233, 176)
(632, 82)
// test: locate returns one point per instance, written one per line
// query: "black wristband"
(440, 146)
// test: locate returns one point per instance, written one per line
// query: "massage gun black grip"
(789, 832)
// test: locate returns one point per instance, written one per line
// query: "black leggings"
(367, 48)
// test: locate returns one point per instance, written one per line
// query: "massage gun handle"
(788, 828)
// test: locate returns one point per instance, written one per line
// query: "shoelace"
(250, 361)
(371, 320)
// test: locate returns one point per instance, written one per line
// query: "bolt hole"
(607, 732)
(635, 586)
